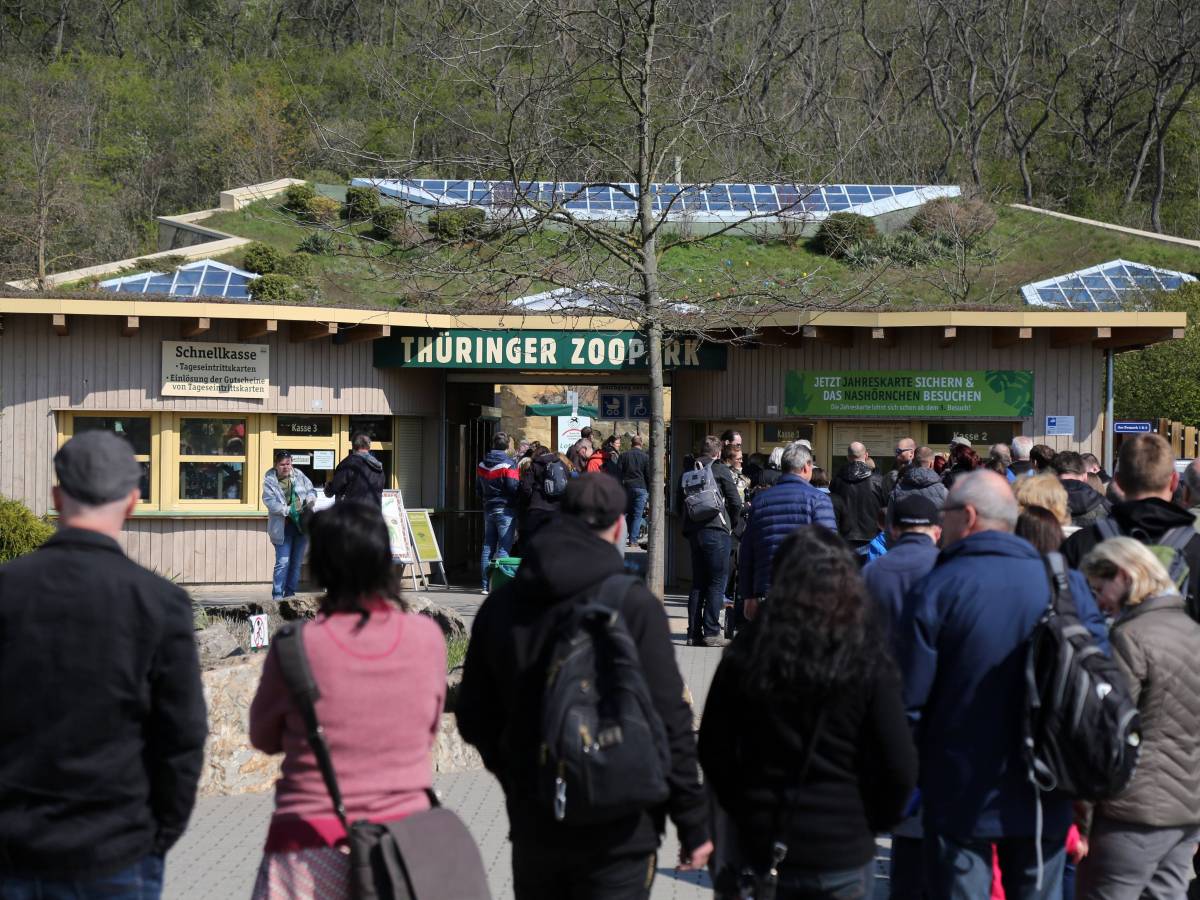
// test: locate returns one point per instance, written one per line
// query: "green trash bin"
(502, 570)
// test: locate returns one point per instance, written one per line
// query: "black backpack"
(1082, 731)
(603, 753)
(554, 484)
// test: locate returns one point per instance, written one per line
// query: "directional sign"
(1132, 427)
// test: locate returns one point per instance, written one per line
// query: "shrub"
(954, 220)
(901, 248)
(317, 243)
(391, 223)
(261, 258)
(841, 231)
(276, 288)
(322, 211)
(296, 197)
(296, 265)
(456, 224)
(21, 531)
(361, 203)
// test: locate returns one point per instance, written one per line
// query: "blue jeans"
(638, 498)
(497, 539)
(141, 881)
(710, 571)
(961, 868)
(289, 556)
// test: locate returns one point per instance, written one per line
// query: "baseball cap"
(97, 467)
(959, 439)
(595, 498)
(914, 510)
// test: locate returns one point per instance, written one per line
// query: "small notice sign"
(1132, 427)
(260, 633)
(324, 460)
(424, 539)
(1062, 425)
(195, 369)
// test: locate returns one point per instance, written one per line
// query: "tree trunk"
(1160, 178)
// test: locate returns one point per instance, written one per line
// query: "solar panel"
(204, 278)
(701, 202)
(1107, 286)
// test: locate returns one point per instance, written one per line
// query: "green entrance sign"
(589, 351)
(909, 394)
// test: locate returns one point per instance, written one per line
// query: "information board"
(196, 369)
(397, 526)
(909, 393)
(423, 537)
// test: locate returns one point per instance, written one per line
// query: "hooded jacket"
(861, 492)
(1155, 644)
(499, 709)
(922, 481)
(496, 481)
(962, 658)
(1085, 505)
(1146, 520)
(277, 504)
(774, 514)
(358, 477)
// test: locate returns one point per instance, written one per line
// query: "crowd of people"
(877, 684)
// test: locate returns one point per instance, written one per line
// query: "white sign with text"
(195, 369)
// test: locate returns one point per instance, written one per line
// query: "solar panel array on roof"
(204, 278)
(713, 202)
(1108, 286)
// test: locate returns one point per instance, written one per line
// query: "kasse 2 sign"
(195, 369)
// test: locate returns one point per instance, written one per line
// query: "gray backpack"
(702, 500)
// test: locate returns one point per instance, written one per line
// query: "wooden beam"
(1136, 338)
(130, 327)
(1061, 338)
(1007, 337)
(354, 334)
(300, 332)
(885, 336)
(838, 337)
(949, 336)
(59, 323)
(193, 327)
(248, 329)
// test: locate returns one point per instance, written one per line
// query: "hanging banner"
(998, 393)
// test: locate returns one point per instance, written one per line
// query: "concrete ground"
(218, 856)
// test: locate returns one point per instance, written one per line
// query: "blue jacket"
(890, 577)
(875, 549)
(962, 656)
(776, 513)
(497, 480)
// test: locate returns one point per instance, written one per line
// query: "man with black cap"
(103, 724)
(499, 711)
(913, 524)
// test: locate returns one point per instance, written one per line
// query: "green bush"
(901, 248)
(296, 265)
(841, 231)
(391, 223)
(21, 531)
(322, 211)
(276, 288)
(954, 220)
(296, 197)
(261, 258)
(456, 224)
(361, 204)
(317, 243)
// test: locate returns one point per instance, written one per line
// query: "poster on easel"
(425, 543)
(397, 526)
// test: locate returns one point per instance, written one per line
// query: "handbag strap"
(297, 675)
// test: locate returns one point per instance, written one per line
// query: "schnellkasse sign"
(461, 348)
(993, 393)
(195, 369)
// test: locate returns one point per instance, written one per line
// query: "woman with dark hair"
(382, 677)
(962, 459)
(804, 738)
(1041, 528)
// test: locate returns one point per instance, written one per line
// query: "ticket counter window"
(212, 459)
(379, 430)
(134, 429)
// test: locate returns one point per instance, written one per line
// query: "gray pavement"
(218, 856)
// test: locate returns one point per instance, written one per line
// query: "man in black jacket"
(499, 710)
(634, 464)
(1146, 474)
(859, 489)
(1085, 504)
(359, 476)
(710, 543)
(102, 726)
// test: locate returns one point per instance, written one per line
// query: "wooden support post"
(248, 329)
(301, 332)
(838, 337)
(193, 327)
(353, 334)
(58, 322)
(1008, 337)
(949, 336)
(1061, 338)
(885, 336)
(131, 326)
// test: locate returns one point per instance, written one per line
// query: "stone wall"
(232, 766)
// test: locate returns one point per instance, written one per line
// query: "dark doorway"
(470, 425)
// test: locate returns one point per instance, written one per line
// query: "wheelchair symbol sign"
(639, 406)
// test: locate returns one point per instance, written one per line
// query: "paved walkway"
(218, 856)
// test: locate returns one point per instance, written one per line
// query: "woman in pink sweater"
(382, 677)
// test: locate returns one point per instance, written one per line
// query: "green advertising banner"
(591, 351)
(909, 394)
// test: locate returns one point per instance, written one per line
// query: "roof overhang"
(1103, 330)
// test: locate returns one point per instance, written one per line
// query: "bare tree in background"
(623, 94)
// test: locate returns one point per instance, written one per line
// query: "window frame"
(175, 458)
(66, 431)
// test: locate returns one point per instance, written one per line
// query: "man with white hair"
(1021, 465)
(962, 652)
